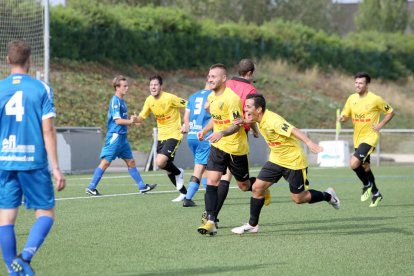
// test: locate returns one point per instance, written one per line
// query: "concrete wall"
(78, 148)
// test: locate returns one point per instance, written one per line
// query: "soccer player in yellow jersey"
(166, 109)
(286, 159)
(229, 147)
(364, 107)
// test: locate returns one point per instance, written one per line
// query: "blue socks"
(37, 235)
(204, 182)
(8, 245)
(137, 178)
(96, 178)
(192, 189)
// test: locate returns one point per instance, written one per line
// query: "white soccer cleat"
(180, 198)
(335, 202)
(179, 180)
(245, 228)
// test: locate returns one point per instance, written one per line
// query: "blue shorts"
(116, 146)
(200, 150)
(35, 186)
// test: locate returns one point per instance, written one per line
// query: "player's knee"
(355, 164)
(160, 163)
(244, 186)
(258, 191)
(195, 179)
(131, 164)
(297, 199)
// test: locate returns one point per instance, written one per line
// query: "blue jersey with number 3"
(199, 117)
(24, 103)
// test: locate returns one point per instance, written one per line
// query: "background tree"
(316, 14)
(382, 16)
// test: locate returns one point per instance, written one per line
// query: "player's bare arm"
(186, 126)
(216, 136)
(49, 136)
(254, 129)
(309, 143)
(385, 121)
(207, 128)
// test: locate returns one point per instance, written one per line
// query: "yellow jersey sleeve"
(166, 110)
(285, 149)
(145, 112)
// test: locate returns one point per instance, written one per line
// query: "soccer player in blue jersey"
(196, 117)
(28, 138)
(116, 141)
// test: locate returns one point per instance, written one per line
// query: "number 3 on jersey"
(14, 106)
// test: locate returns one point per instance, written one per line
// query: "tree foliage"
(317, 14)
(382, 15)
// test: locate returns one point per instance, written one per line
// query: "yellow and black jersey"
(224, 109)
(285, 149)
(166, 110)
(364, 113)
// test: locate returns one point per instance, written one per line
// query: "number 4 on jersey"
(14, 106)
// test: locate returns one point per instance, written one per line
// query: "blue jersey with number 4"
(24, 103)
(199, 117)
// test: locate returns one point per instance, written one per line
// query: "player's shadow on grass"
(209, 270)
(353, 226)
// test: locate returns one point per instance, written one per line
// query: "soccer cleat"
(204, 217)
(207, 228)
(335, 202)
(375, 200)
(148, 188)
(268, 197)
(366, 192)
(180, 198)
(245, 228)
(179, 180)
(92, 192)
(188, 203)
(22, 266)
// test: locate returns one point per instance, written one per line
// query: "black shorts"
(363, 153)
(238, 165)
(168, 147)
(297, 179)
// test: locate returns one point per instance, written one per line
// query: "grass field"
(124, 233)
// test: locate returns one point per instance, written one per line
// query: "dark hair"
(259, 100)
(219, 65)
(246, 65)
(156, 77)
(363, 75)
(18, 52)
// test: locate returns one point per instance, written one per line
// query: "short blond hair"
(117, 81)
